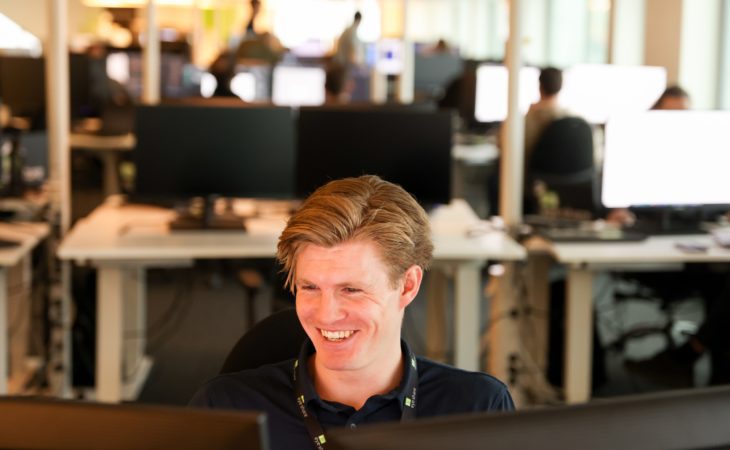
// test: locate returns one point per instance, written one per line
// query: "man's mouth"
(336, 336)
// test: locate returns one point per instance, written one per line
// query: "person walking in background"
(349, 51)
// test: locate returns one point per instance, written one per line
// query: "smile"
(336, 336)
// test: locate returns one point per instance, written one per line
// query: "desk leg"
(109, 326)
(111, 172)
(4, 348)
(437, 295)
(135, 319)
(578, 335)
(467, 302)
(538, 291)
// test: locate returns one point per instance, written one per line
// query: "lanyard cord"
(316, 432)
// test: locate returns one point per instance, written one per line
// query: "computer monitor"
(598, 92)
(125, 67)
(390, 56)
(298, 86)
(261, 74)
(666, 159)
(184, 151)
(492, 95)
(23, 87)
(35, 423)
(406, 146)
(433, 72)
(678, 420)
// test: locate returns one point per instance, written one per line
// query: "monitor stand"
(206, 218)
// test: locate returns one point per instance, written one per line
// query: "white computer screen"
(243, 84)
(667, 158)
(298, 86)
(597, 92)
(117, 67)
(492, 94)
(389, 58)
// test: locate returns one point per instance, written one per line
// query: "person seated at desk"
(338, 86)
(673, 97)
(545, 110)
(354, 255)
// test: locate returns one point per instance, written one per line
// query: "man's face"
(348, 306)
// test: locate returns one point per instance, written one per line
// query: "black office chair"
(563, 160)
(276, 338)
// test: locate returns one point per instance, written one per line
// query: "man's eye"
(307, 287)
(351, 290)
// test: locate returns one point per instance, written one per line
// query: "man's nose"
(329, 308)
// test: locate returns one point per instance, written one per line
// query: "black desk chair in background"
(563, 161)
(277, 338)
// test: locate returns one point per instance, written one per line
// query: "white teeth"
(336, 335)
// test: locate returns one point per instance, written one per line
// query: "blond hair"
(366, 207)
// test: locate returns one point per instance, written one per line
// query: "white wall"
(724, 74)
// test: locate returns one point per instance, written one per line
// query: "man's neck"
(355, 387)
(549, 100)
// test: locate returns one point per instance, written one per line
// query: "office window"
(314, 23)
(578, 31)
(15, 38)
(478, 28)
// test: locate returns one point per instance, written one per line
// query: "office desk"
(586, 259)
(107, 148)
(122, 240)
(29, 234)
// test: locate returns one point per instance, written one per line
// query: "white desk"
(122, 240)
(586, 259)
(108, 148)
(29, 234)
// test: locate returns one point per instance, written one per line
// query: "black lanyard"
(316, 432)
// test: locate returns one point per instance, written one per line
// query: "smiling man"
(354, 254)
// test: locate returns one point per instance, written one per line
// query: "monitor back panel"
(405, 146)
(53, 425)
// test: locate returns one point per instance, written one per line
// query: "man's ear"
(411, 284)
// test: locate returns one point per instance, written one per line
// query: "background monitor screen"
(667, 158)
(597, 92)
(298, 86)
(390, 54)
(406, 146)
(22, 85)
(433, 72)
(492, 91)
(54, 424)
(184, 151)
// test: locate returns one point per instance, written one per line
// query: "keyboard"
(5, 243)
(591, 235)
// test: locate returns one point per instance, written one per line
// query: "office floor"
(195, 315)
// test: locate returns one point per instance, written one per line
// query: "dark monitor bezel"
(694, 418)
(59, 424)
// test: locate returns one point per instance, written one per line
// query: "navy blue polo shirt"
(442, 390)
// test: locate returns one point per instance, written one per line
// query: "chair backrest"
(276, 338)
(563, 160)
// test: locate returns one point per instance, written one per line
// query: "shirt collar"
(301, 369)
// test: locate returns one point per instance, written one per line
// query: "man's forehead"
(352, 257)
